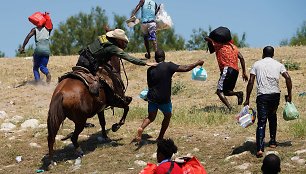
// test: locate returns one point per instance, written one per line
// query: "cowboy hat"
(117, 34)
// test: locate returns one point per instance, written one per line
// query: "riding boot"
(94, 88)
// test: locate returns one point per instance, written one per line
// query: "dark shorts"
(228, 79)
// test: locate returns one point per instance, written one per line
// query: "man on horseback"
(95, 57)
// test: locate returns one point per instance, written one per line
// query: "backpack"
(192, 165)
(189, 165)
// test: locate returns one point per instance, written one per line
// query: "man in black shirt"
(159, 80)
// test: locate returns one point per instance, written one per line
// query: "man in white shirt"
(267, 72)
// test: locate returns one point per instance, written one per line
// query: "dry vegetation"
(200, 126)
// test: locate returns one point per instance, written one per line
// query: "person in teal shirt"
(149, 10)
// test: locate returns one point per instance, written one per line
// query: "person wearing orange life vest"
(41, 52)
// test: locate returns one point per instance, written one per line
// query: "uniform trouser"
(40, 62)
(267, 105)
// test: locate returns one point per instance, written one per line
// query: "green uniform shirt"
(103, 50)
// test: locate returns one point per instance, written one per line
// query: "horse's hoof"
(115, 127)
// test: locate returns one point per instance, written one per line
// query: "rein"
(127, 80)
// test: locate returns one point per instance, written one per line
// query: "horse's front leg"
(102, 123)
(125, 112)
(116, 126)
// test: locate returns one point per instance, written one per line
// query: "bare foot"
(259, 154)
(139, 134)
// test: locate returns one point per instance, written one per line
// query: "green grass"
(298, 128)
(292, 65)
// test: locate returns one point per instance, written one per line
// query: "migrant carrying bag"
(163, 20)
(290, 112)
(199, 74)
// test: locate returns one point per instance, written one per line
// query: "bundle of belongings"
(41, 19)
(163, 20)
(189, 165)
(220, 35)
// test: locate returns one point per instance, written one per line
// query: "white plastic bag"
(163, 20)
(246, 117)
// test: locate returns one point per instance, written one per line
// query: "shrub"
(177, 87)
(292, 65)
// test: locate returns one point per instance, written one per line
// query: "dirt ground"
(200, 126)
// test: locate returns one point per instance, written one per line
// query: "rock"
(154, 155)
(139, 155)
(31, 123)
(196, 150)
(300, 151)
(3, 114)
(15, 119)
(243, 166)
(59, 137)
(298, 160)
(250, 139)
(6, 127)
(140, 163)
(295, 158)
(34, 145)
(272, 152)
(18, 159)
(42, 126)
(78, 161)
(236, 155)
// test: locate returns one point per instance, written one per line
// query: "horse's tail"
(55, 117)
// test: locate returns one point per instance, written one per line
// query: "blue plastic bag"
(143, 94)
(290, 112)
(199, 74)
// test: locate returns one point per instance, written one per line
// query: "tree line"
(80, 30)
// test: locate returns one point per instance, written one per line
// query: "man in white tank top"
(41, 52)
(267, 72)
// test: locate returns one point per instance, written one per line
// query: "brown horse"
(71, 99)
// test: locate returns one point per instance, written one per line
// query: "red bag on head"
(37, 19)
(48, 23)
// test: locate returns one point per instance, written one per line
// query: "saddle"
(84, 75)
(111, 83)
